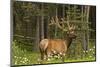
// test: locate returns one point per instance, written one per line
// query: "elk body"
(59, 47)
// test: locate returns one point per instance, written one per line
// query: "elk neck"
(68, 41)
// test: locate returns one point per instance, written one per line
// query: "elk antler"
(61, 24)
(55, 21)
(52, 21)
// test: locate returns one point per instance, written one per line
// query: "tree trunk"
(87, 31)
(56, 26)
(63, 11)
(42, 21)
(37, 34)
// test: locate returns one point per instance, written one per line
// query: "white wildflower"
(25, 58)
(93, 46)
(19, 57)
(15, 62)
(48, 59)
(86, 51)
(39, 59)
(56, 56)
(93, 52)
(23, 62)
(90, 56)
(15, 56)
(60, 53)
(90, 49)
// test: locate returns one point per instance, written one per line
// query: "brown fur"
(50, 47)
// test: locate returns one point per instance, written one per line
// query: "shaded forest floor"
(24, 57)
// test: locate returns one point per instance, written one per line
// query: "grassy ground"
(24, 57)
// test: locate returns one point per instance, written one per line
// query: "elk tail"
(44, 44)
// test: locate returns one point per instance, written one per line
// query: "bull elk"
(51, 47)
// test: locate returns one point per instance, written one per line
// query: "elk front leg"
(62, 55)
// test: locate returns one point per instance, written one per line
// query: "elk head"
(64, 26)
(71, 32)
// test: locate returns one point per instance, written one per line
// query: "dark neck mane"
(68, 41)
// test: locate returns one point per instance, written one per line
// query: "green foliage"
(23, 57)
(90, 53)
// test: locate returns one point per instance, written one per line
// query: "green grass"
(24, 57)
